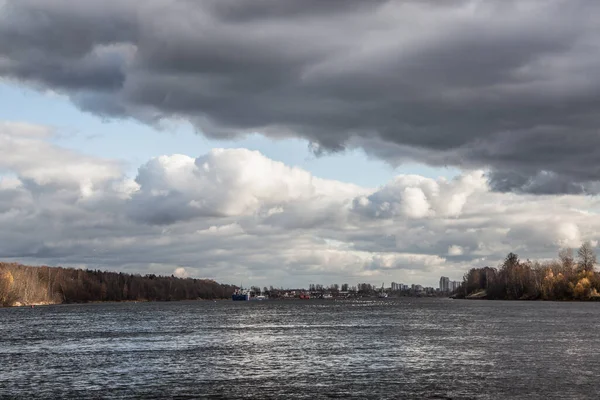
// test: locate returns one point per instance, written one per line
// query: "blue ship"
(240, 295)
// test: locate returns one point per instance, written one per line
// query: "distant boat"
(240, 295)
(259, 297)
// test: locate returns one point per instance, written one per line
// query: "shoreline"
(44, 304)
(482, 295)
(41, 304)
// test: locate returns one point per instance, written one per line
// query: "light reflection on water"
(405, 348)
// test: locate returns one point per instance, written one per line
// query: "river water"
(380, 349)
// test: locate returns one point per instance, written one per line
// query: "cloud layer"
(512, 86)
(235, 215)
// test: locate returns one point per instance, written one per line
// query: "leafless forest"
(24, 285)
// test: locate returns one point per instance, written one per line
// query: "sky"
(285, 143)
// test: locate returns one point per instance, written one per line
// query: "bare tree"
(566, 258)
(587, 257)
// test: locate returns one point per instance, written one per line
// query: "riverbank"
(49, 303)
(482, 295)
(33, 304)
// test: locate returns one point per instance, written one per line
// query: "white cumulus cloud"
(235, 215)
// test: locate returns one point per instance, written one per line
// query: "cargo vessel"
(240, 295)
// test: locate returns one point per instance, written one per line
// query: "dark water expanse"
(405, 348)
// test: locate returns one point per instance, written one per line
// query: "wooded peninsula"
(25, 285)
(567, 278)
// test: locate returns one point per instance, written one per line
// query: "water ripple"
(405, 348)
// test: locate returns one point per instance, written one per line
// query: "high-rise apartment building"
(444, 284)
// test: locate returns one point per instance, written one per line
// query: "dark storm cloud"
(543, 182)
(509, 85)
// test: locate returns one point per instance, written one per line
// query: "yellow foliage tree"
(582, 289)
(6, 283)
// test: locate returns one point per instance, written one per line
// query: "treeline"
(567, 278)
(23, 285)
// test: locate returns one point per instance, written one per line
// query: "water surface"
(378, 348)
